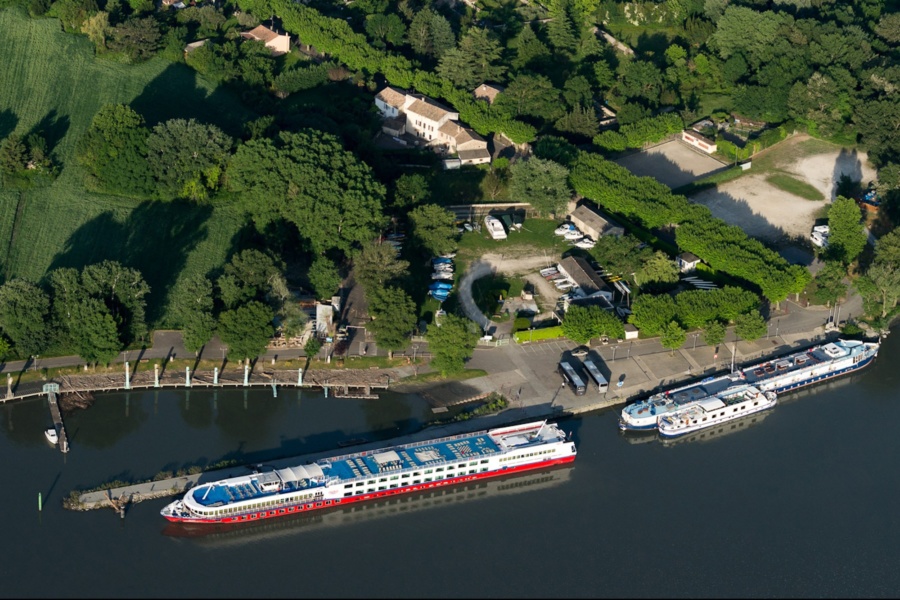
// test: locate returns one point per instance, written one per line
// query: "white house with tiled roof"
(277, 43)
(431, 124)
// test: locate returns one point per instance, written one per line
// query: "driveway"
(487, 265)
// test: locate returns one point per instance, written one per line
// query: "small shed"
(687, 262)
(631, 332)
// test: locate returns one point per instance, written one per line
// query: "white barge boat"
(644, 414)
(372, 474)
(785, 373)
(813, 365)
(716, 410)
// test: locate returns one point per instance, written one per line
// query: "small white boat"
(573, 234)
(564, 229)
(548, 271)
(51, 435)
(586, 243)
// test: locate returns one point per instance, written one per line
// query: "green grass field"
(792, 185)
(51, 82)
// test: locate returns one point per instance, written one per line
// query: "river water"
(800, 501)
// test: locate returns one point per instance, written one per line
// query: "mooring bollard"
(40, 503)
(246, 375)
(9, 386)
(156, 375)
(127, 377)
(299, 377)
(326, 391)
(215, 375)
(187, 377)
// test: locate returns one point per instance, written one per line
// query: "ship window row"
(508, 458)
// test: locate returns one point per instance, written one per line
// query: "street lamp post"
(695, 340)
(614, 352)
(415, 349)
(629, 349)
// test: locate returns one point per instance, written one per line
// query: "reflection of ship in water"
(717, 431)
(365, 511)
(639, 437)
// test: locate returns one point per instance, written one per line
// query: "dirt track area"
(767, 212)
(673, 163)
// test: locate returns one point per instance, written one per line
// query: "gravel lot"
(673, 163)
(766, 212)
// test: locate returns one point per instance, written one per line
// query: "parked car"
(566, 285)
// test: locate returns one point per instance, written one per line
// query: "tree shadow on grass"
(8, 122)
(175, 94)
(155, 239)
(52, 128)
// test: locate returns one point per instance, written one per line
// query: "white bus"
(571, 376)
(602, 383)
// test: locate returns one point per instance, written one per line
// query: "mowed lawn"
(50, 81)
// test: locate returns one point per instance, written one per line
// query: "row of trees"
(94, 312)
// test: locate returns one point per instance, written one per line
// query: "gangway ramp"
(52, 391)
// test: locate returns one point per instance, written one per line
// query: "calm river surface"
(801, 502)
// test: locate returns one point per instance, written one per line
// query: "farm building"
(592, 223)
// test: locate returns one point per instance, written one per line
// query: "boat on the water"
(813, 365)
(372, 474)
(716, 410)
(644, 414)
(785, 373)
(51, 435)
(239, 534)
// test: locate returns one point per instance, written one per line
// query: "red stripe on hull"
(310, 506)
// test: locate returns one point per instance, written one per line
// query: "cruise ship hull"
(331, 503)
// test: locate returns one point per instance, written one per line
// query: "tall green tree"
(673, 336)
(430, 34)
(583, 323)
(411, 190)
(848, 236)
(24, 312)
(542, 183)
(136, 38)
(714, 333)
(124, 292)
(192, 305)
(187, 158)
(309, 179)
(652, 314)
(434, 227)
(377, 265)
(113, 151)
(93, 331)
(476, 60)
(385, 30)
(394, 317)
(246, 330)
(657, 268)
(451, 344)
(750, 326)
(324, 277)
(531, 53)
(830, 284)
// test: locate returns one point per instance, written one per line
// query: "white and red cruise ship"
(372, 474)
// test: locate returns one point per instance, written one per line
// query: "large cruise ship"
(372, 474)
(716, 410)
(819, 363)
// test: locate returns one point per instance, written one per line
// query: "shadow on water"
(155, 239)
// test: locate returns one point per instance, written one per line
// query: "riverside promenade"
(526, 375)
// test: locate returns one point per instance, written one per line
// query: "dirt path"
(486, 265)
